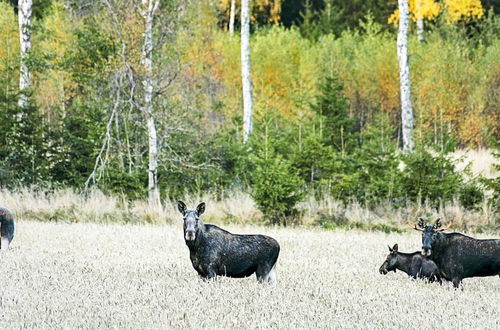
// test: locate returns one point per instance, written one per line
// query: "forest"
(326, 106)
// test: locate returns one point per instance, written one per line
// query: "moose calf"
(413, 264)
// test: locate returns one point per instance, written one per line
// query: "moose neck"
(404, 262)
(443, 239)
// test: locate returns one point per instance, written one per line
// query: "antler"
(445, 228)
(414, 226)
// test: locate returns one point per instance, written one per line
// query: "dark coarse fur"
(459, 256)
(413, 264)
(215, 251)
(6, 227)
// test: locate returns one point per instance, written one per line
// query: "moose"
(458, 256)
(6, 227)
(413, 264)
(215, 251)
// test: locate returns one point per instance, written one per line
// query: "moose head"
(391, 261)
(429, 234)
(192, 222)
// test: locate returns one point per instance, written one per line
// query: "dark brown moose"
(458, 256)
(413, 264)
(214, 251)
(6, 227)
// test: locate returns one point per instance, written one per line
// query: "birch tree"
(420, 21)
(24, 18)
(245, 69)
(232, 14)
(148, 10)
(404, 77)
(418, 11)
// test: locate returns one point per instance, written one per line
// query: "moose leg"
(456, 282)
(415, 268)
(4, 243)
(264, 274)
(210, 274)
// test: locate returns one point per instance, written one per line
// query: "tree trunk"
(148, 10)
(420, 29)
(245, 69)
(24, 17)
(420, 21)
(404, 77)
(231, 17)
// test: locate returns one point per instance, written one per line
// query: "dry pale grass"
(237, 208)
(60, 275)
(69, 206)
(385, 217)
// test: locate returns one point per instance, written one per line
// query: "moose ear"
(437, 224)
(395, 248)
(390, 250)
(200, 209)
(182, 207)
(421, 222)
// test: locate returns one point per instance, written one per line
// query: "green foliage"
(326, 21)
(429, 177)
(90, 54)
(470, 195)
(335, 127)
(23, 146)
(377, 163)
(493, 184)
(276, 184)
(276, 188)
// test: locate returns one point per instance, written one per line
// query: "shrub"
(470, 195)
(429, 177)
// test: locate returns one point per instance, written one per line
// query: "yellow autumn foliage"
(53, 87)
(272, 8)
(419, 9)
(465, 10)
(456, 10)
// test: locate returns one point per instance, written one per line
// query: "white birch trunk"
(148, 10)
(420, 21)
(232, 14)
(404, 77)
(24, 18)
(245, 69)
(420, 29)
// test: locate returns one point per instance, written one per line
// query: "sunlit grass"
(127, 276)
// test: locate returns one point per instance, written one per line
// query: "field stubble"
(128, 276)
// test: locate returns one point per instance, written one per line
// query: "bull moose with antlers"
(459, 256)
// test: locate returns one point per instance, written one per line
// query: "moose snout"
(382, 270)
(426, 251)
(190, 235)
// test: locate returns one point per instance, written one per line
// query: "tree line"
(149, 101)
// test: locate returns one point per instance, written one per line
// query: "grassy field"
(127, 276)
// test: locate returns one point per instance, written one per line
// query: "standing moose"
(214, 251)
(459, 256)
(413, 264)
(6, 227)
